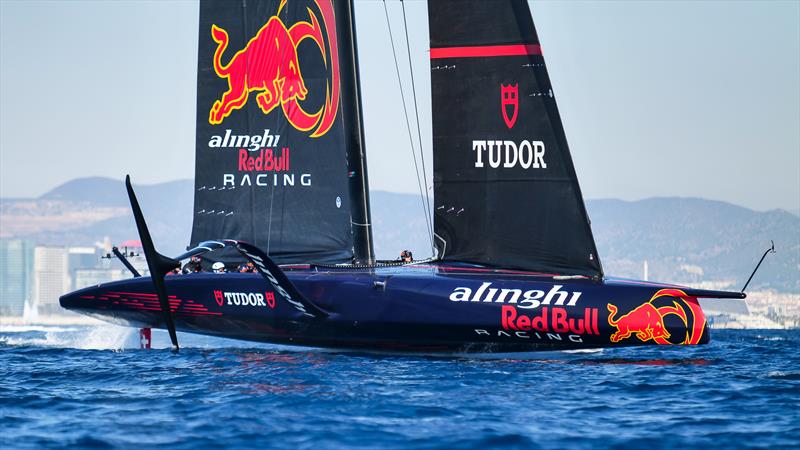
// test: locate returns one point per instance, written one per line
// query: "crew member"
(193, 266)
(246, 267)
(218, 267)
(406, 256)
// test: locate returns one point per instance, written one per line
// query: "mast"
(354, 135)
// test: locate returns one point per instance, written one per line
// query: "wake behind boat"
(281, 182)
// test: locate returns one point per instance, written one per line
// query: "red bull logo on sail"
(270, 67)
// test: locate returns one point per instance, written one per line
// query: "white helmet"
(218, 267)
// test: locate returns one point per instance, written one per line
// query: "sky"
(694, 99)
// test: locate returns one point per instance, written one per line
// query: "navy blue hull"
(415, 308)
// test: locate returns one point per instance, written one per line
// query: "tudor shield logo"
(245, 298)
(509, 103)
(508, 154)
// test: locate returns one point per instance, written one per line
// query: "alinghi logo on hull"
(523, 299)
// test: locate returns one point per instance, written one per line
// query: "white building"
(50, 279)
(16, 276)
(92, 277)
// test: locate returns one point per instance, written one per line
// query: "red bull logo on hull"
(647, 321)
(270, 67)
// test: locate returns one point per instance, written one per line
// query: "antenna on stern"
(769, 250)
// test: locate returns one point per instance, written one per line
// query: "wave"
(31, 328)
(100, 337)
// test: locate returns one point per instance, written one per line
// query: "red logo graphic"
(219, 297)
(558, 320)
(269, 65)
(647, 320)
(266, 161)
(509, 98)
(270, 296)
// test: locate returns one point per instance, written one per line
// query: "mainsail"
(505, 188)
(273, 133)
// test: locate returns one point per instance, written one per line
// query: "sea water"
(92, 387)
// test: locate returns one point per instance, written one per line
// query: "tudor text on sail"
(525, 154)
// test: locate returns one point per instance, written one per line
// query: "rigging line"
(420, 184)
(272, 193)
(248, 123)
(269, 228)
(416, 113)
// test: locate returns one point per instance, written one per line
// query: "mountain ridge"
(93, 183)
(683, 239)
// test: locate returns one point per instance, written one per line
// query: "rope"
(269, 230)
(377, 264)
(420, 183)
(419, 132)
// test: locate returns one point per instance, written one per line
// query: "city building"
(50, 279)
(92, 277)
(82, 258)
(16, 276)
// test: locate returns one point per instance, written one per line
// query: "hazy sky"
(657, 98)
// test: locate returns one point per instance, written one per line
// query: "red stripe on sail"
(486, 51)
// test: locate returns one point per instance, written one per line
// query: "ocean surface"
(92, 387)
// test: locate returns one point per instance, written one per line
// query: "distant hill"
(682, 239)
(103, 191)
(691, 239)
(99, 191)
(84, 210)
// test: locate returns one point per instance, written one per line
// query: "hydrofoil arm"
(266, 268)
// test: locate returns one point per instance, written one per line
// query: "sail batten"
(506, 193)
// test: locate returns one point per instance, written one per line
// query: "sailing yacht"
(281, 182)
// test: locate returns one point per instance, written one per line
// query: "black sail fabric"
(271, 161)
(506, 193)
